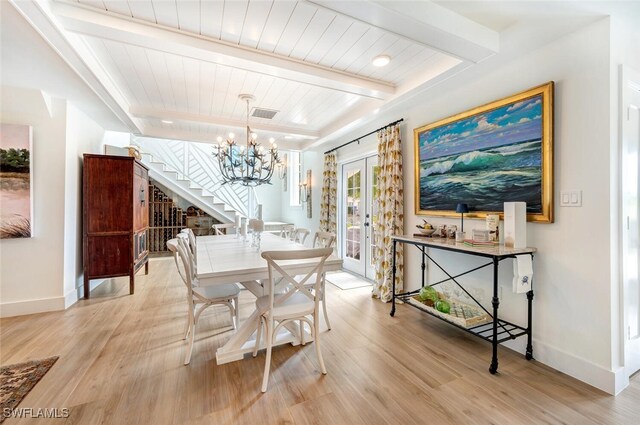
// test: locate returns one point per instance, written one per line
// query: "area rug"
(344, 280)
(17, 380)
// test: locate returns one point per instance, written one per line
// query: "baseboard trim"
(583, 370)
(43, 305)
(21, 308)
(74, 295)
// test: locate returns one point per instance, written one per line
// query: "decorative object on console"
(480, 238)
(15, 181)
(515, 224)
(251, 165)
(472, 156)
(493, 226)
(451, 231)
(426, 228)
(462, 209)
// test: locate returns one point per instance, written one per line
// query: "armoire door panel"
(109, 181)
(109, 255)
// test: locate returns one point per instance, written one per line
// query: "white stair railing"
(195, 162)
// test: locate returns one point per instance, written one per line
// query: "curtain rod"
(361, 137)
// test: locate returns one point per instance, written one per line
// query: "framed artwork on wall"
(15, 181)
(495, 153)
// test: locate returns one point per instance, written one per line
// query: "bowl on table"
(426, 232)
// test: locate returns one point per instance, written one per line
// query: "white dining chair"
(299, 235)
(324, 240)
(199, 298)
(286, 231)
(297, 304)
(192, 243)
(218, 228)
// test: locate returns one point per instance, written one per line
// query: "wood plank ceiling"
(196, 84)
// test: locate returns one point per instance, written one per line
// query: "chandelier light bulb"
(232, 136)
(219, 139)
(254, 136)
(271, 140)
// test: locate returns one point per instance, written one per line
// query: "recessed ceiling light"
(381, 60)
(167, 122)
(289, 137)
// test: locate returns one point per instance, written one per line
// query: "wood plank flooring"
(121, 363)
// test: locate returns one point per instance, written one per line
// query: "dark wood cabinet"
(115, 218)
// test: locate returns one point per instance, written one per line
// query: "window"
(295, 174)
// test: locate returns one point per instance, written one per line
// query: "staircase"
(190, 170)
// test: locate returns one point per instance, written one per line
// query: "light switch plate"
(571, 198)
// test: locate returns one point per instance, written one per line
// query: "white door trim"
(629, 110)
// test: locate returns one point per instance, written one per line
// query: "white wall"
(31, 270)
(314, 161)
(43, 273)
(572, 313)
(83, 136)
(269, 195)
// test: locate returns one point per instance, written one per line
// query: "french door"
(630, 212)
(358, 213)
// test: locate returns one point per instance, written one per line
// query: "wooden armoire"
(115, 218)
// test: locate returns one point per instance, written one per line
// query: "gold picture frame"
(494, 153)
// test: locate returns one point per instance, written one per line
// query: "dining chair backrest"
(192, 242)
(278, 275)
(286, 231)
(217, 228)
(181, 253)
(300, 235)
(183, 242)
(324, 240)
(172, 245)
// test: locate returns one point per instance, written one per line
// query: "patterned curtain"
(390, 212)
(328, 208)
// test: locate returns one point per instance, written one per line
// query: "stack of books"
(472, 242)
(480, 238)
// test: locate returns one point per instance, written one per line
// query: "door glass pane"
(374, 212)
(353, 214)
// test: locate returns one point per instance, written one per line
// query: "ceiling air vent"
(263, 113)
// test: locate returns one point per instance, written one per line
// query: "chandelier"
(250, 165)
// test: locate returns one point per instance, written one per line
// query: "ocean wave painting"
(484, 159)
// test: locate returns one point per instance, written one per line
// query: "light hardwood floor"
(121, 363)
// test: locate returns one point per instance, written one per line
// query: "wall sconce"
(282, 168)
(305, 194)
(305, 188)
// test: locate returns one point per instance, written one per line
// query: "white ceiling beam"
(424, 22)
(175, 116)
(411, 91)
(122, 29)
(41, 19)
(194, 136)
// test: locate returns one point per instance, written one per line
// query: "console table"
(495, 331)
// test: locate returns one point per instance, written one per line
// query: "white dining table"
(228, 259)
